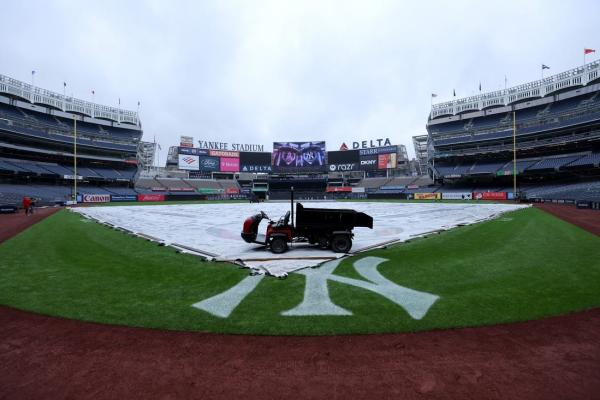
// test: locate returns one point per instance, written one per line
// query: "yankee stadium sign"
(203, 144)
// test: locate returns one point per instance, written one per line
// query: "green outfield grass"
(524, 265)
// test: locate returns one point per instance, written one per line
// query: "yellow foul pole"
(514, 154)
(74, 158)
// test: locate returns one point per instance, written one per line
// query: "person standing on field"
(27, 205)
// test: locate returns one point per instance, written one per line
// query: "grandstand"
(553, 123)
(38, 133)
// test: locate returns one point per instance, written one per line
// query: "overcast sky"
(262, 71)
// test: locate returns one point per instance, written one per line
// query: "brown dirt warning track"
(52, 358)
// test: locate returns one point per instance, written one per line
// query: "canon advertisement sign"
(96, 198)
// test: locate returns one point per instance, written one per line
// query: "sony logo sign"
(367, 162)
(371, 143)
(342, 167)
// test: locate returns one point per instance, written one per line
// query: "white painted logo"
(316, 294)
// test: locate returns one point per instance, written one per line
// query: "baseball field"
(524, 265)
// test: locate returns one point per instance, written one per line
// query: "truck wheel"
(278, 245)
(341, 243)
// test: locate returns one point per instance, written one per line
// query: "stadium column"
(75, 158)
(514, 154)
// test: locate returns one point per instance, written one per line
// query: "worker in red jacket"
(27, 205)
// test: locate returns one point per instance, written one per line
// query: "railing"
(11, 120)
(29, 129)
(524, 144)
(565, 115)
(38, 95)
(579, 76)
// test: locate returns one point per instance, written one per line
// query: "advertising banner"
(151, 197)
(96, 198)
(209, 190)
(368, 162)
(208, 164)
(378, 150)
(187, 162)
(358, 189)
(294, 156)
(339, 189)
(386, 161)
(8, 209)
(193, 151)
(232, 190)
(457, 196)
(124, 197)
(255, 162)
(489, 195)
(343, 167)
(428, 196)
(255, 168)
(228, 164)
(181, 189)
(224, 153)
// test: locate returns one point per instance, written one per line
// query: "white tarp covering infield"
(215, 228)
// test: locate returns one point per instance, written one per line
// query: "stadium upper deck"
(558, 116)
(38, 145)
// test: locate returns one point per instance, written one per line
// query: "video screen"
(303, 156)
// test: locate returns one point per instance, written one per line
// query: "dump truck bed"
(331, 218)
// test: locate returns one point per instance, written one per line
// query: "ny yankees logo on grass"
(316, 294)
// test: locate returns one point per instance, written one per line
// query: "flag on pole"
(119, 101)
(33, 72)
(545, 67)
(588, 51)
(480, 86)
(158, 145)
(64, 84)
(93, 92)
(433, 95)
(138, 103)
(454, 92)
